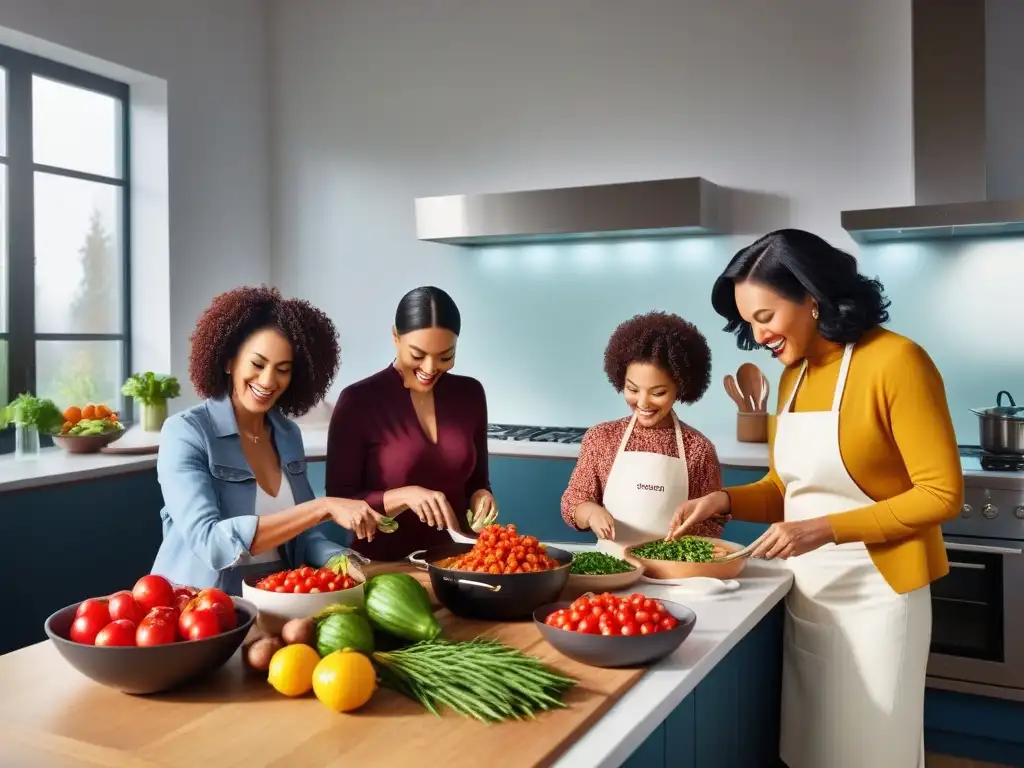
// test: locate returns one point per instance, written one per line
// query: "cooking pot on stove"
(1002, 427)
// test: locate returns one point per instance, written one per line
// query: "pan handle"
(417, 561)
(482, 585)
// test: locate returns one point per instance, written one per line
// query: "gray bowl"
(149, 669)
(616, 651)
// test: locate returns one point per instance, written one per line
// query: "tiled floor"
(945, 761)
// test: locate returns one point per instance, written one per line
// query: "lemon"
(291, 669)
(344, 680)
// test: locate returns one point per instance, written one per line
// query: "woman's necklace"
(256, 439)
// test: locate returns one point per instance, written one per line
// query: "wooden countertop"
(50, 715)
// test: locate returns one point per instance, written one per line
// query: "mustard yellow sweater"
(896, 438)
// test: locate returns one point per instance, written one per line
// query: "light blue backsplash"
(538, 318)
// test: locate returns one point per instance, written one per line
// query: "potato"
(258, 655)
(299, 631)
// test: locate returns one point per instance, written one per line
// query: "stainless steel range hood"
(661, 207)
(950, 128)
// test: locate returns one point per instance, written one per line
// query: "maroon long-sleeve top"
(376, 444)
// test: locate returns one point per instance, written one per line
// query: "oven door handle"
(982, 548)
(968, 566)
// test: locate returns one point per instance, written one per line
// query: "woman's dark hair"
(664, 340)
(795, 263)
(427, 307)
(234, 316)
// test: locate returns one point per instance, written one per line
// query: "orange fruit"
(112, 418)
(89, 411)
(73, 414)
(66, 427)
(102, 411)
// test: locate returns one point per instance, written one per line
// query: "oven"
(978, 608)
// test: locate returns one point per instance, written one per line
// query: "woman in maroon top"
(414, 436)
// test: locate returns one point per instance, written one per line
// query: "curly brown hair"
(235, 315)
(667, 341)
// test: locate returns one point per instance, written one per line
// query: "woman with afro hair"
(635, 472)
(232, 470)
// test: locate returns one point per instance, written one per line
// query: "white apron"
(643, 492)
(855, 652)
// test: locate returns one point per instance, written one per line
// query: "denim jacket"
(209, 518)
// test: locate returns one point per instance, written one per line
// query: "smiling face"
(422, 357)
(650, 393)
(787, 328)
(261, 371)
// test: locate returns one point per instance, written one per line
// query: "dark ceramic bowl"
(616, 651)
(491, 597)
(149, 669)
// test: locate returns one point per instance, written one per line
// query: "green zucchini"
(398, 604)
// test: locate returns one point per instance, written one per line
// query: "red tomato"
(609, 631)
(622, 616)
(153, 591)
(155, 630)
(123, 606)
(647, 628)
(220, 603)
(641, 616)
(163, 613)
(331, 587)
(95, 606)
(588, 627)
(628, 628)
(120, 632)
(181, 597)
(87, 626)
(669, 622)
(199, 624)
(596, 611)
(576, 615)
(656, 617)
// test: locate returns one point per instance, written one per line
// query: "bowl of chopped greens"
(687, 556)
(600, 572)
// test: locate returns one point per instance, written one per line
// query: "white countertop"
(722, 621)
(54, 466)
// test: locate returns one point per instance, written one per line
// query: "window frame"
(21, 335)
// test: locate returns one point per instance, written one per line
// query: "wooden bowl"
(672, 569)
(86, 443)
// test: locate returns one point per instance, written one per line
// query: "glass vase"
(26, 442)
(152, 416)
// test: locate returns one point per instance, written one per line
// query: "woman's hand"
(483, 510)
(354, 515)
(431, 507)
(601, 522)
(783, 540)
(695, 511)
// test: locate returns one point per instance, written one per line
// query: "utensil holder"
(752, 427)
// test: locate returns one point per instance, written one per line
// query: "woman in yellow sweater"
(864, 470)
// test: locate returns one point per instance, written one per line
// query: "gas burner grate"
(996, 463)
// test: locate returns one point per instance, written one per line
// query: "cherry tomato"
(95, 606)
(596, 611)
(648, 605)
(199, 624)
(220, 603)
(641, 616)
(588, 626)
(576, 616)
(656, 617)
(609, 631)
(628, 629)
(155, 630)
(622, 616)
(123, 606)
(647, 629)
(120, 632)
(153, 591)
(281, 589)
(87, 626)
(669, 622)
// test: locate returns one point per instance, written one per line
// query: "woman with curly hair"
(413, 436)
(635, 472)
(232, 470)
(864, 471)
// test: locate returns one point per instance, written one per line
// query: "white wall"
(376, 102)
(213, 56)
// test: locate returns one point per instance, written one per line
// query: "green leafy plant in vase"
(31, 417)
(151, 393)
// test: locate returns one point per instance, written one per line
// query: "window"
(64, 217)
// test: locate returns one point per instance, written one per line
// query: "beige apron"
(643, 492)
(855, 652)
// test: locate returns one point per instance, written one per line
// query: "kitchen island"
(690, 709)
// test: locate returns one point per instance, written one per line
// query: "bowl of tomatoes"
(615, 631)
(300, 593)
(152, 638)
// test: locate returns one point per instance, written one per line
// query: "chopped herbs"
(688, 549)
(597, 564)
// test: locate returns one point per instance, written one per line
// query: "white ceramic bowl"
(278, 608)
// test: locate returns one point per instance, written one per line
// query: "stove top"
(994, 462)
(535, 434)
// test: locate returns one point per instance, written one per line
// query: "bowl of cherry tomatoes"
(615, 631)
(153, 637)
(299, 594)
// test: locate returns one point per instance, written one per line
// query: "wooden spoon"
(732, 389)
(765, 389)
(749, 378)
